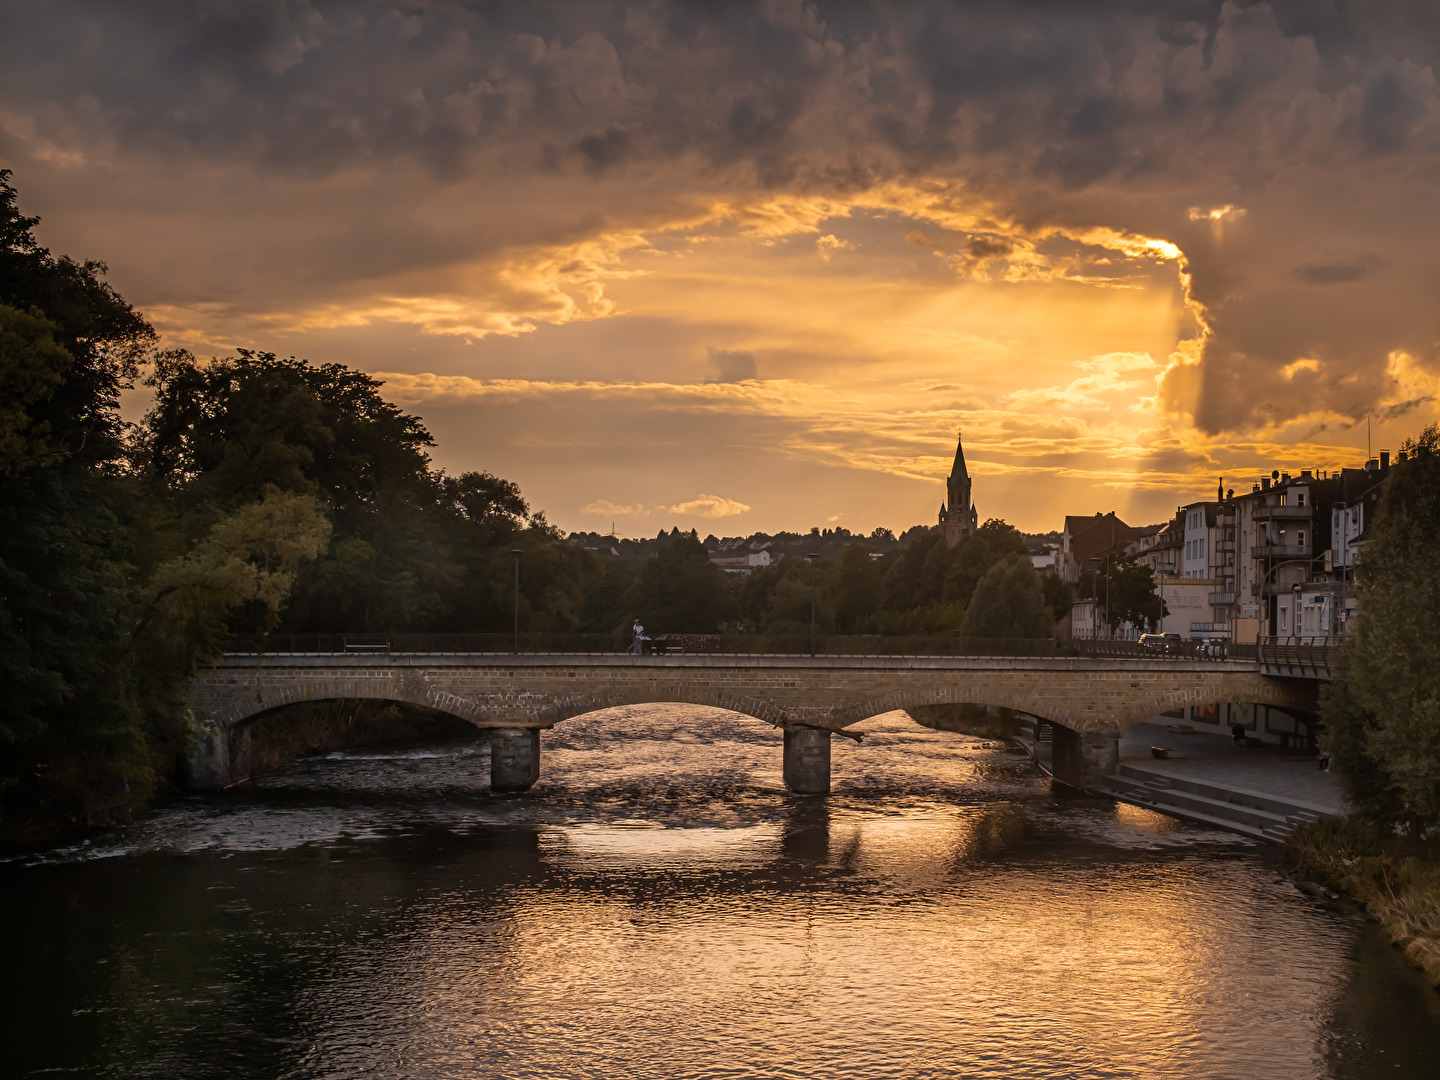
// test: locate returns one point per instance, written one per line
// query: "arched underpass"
(810, 698)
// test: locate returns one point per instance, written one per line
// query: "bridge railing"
(768, 644)
(1107, 649)
(709, 644)
(1299, 657)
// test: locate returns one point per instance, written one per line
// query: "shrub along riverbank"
(1397, 880)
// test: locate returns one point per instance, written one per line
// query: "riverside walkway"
(1090, 700)
(1261, 791)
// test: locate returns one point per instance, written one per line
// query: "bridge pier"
(218, 758)
(1084, 760)
(514, 758)
(807, 760)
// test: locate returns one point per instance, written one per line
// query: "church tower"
(957, 515)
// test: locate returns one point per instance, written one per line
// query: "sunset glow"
(777, 325)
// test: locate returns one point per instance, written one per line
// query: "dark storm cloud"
(732, 365)
(1121, 115)
(1337, 273)
(317, 85)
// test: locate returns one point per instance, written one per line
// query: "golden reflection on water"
(660, 908)
(1143, 820)
(914, 946)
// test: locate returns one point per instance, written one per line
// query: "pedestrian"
(1237, 734)
(640, 638)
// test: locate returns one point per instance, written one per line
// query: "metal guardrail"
(786, 644)
(1301, 658)
(1104, 649)
(726, 644)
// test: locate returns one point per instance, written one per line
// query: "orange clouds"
(776, 245)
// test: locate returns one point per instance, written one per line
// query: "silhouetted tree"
(1125, 591)
(1009, 602)
(680, 590)
(858, 589)
(1381, 713)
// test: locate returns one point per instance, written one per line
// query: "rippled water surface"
(658, 906)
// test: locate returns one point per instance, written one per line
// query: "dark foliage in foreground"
(1382, 712)
(264, 494)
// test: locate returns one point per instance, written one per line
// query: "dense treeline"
(1381, 714)
(263, 494)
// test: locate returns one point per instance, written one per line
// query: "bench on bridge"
(691, 644)
(366, 643)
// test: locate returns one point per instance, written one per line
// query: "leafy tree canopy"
(680, 590)
(1125, 591)
(1009, 602)
(1382, 713)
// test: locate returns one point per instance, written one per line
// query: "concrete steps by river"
(1261, 815)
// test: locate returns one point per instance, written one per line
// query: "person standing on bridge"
(640, 638)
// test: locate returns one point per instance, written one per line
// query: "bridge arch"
(1133, 703)
(249, 703)
(570, 706)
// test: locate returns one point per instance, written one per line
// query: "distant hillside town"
(1276, 561)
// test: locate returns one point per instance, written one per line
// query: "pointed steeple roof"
(957, 470)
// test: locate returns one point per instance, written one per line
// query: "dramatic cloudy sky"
(750, 265)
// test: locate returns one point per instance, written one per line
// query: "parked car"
(1168, 643)
(1213, 648)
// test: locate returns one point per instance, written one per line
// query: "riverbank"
(1397, 882)
(319, 727)
(979, 720)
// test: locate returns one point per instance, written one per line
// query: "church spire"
(957, 470)
(957, 516)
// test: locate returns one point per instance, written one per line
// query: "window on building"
(1300, 498)
(1301, 539)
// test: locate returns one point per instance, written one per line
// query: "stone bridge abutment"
(810, 698)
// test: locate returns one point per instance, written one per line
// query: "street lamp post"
(1165, 568)
(811, 558)
(1109, 626)
(517, 553)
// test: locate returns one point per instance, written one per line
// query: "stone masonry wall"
(539, 691)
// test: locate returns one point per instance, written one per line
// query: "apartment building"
(1276, 550)
(1354, 509)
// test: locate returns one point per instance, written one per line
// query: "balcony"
(1224, 546)
(1284, 513)
(1219, 599)
(1280, 551)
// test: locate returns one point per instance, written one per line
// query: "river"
(658, 906)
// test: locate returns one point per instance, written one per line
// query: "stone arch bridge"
(1090, 701)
